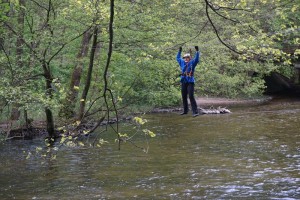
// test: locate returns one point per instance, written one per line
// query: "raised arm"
(196, 58)
(178, 57)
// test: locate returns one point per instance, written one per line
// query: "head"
(187, 57)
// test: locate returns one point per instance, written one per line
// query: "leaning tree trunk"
(89, 75)
(70, 101)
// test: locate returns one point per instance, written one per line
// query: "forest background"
(73, 61)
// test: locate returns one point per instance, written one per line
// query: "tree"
(44, 42)
(70, 101)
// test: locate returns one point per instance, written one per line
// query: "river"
(252, 153)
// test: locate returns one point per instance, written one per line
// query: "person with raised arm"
(187, 66)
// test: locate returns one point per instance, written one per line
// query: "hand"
(197, 48)
(180, 49)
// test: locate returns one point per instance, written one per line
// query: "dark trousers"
(188, 89)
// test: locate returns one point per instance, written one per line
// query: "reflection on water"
(253, 153)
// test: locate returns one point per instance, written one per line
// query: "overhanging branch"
(215, 29)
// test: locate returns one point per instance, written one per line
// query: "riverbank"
(216, 105)
(206, 105)
(224, 102)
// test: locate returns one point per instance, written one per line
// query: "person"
(187, 66)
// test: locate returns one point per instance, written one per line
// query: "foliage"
(145, 81)
(71, 139)
(240, 42)
(138, 122)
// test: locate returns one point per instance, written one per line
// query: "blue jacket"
(187, 69)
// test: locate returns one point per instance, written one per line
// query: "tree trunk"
(50, 123)
(49, 115)
(70, 101)
(15, 112)
(89, 75)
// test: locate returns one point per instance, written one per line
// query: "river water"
(252, 153)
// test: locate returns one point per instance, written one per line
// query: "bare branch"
(184, 42)
(232, 20)
(96, 125)
(109, 54)
(35, 54)
(232, 9)
(68, 42)
(216, 31)
(7, 57)
(39, 5)
(34, 76)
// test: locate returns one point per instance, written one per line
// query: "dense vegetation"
(72, 60)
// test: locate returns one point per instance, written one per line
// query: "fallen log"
(210, 110)
(218, 110)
